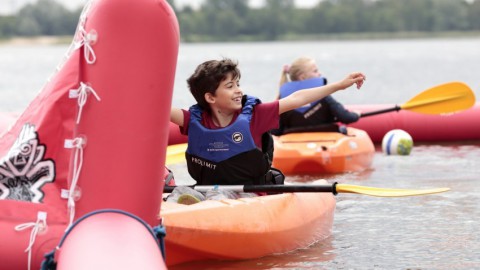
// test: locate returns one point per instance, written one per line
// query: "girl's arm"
(302, 97)
(339, 112)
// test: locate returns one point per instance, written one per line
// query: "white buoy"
(397, 142)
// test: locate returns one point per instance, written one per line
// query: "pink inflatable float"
(422, 127)
(94, 138)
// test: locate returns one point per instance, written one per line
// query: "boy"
(225, 128)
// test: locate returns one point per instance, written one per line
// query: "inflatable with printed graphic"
(94, 138)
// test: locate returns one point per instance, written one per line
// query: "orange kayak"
(323, 152)
(246, 228)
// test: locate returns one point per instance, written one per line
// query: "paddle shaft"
(265, 188)
(333, 188)
(396, 108)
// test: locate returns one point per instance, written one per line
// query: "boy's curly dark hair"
(207, 78)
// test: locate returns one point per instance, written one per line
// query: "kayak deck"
(246, 228)
(323, 152)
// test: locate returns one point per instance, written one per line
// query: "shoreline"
(38, 40)
(57, 40)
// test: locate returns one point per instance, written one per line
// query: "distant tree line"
(234, 20)
(229, 20)
(45, 17)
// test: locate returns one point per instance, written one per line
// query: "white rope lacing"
(77, 143)
(82, 93)
(77, 37)
(87, 40)
(38, 226)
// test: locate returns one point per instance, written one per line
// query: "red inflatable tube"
(174, 136)
(126, 134)
(96, 135)
(422, 127)
(95, 239)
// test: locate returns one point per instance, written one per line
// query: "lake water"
(438, 231)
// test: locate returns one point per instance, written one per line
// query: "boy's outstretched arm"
(176, 116)
(302, 97)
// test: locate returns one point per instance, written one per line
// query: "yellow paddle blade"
(442, 99)
(176, 153)
(386, 192)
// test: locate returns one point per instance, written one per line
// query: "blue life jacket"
(290, 87)
(228, 155)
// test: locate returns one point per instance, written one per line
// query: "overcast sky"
(300, 3)
(9, 6)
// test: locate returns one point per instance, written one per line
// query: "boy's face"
(228, 95)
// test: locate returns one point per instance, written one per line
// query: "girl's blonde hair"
(293, 71)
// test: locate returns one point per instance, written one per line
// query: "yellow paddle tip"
(387, 192)
(445, 98)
